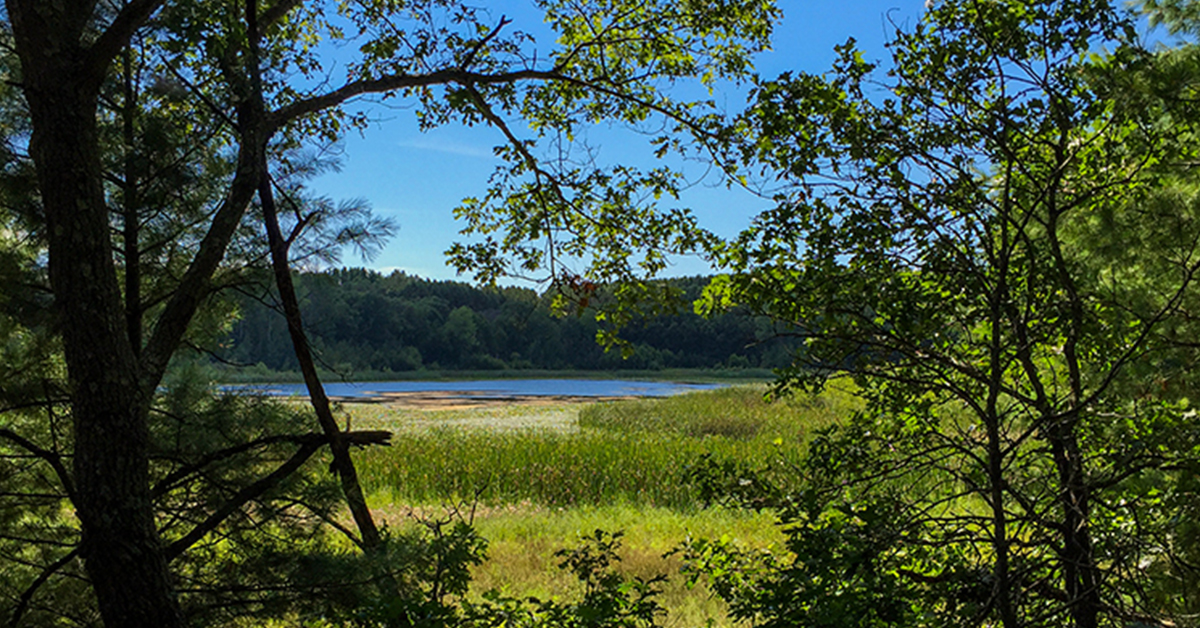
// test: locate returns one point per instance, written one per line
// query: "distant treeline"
(362, 320)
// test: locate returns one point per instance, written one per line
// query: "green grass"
(550, 468)
(627, 452)
(522, 539)
(538, 477)
(522, 544)
(736, 412)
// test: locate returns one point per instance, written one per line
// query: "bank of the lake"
(260, 375)
(440, 393)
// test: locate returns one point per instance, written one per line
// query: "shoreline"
(683, 376)
(466, 399)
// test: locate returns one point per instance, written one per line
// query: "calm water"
(493, 388)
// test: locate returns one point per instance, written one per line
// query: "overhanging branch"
(308, 447)
(402, 81)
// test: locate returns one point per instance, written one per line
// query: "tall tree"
(457, 62)
(968, 237)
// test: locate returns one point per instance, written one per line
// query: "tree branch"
(165, 484)
(357, 439)
(309, 444)
(27, 595)
(193, 287)
(241, 498)
(469, 59)
(402, 81)
(117, 35)
(50, 457)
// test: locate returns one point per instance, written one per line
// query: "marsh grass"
(627, 452)
(550, 468)
(541, 476)
(740, 412)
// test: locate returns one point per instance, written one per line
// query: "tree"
(995, 241)
(240, 65)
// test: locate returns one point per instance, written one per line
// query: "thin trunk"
(1078, 557)
(1080, 572)
(343, 464)
(1002, 590)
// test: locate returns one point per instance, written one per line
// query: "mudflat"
(469, 399)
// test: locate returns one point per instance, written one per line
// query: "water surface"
(499, 388)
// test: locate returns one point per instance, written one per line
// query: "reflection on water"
(490, 388)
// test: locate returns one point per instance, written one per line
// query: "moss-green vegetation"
(627, 452)
(739, 413)
(537, 478)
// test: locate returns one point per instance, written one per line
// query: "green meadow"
(535, 478)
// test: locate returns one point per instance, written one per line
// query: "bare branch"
(240, 499)
(469, 59)
(309, 444)
(51, 458)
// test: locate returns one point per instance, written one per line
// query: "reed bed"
(535, 478)
(628, 452)
(740, 412)
(588, 468)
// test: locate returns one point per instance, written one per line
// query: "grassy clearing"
(541, 476)
(522, 539)
(627, 452)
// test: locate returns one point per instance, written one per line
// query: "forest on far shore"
(362, 320)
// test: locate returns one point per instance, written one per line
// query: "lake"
(487, 389)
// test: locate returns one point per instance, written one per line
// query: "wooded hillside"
(363, 320)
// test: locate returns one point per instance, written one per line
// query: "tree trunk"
(1080, 573)
(121, 548)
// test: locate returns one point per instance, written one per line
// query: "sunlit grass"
(551, 468)
(539, 476)
(626, 452)
(735, 412)
(522, 539)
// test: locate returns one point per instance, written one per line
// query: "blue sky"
(418, 178)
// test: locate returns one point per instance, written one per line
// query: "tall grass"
(736, 412)
(540, 476)
(628, 452)
(546, 467)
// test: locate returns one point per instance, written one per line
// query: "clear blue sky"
(418, 178)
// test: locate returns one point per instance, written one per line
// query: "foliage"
(361, 320)
(152, 126)
(610, 600)
(994, 238)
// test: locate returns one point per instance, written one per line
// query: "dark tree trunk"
(1080, 573)
(121, 548)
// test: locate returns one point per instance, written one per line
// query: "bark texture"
(120, 547)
